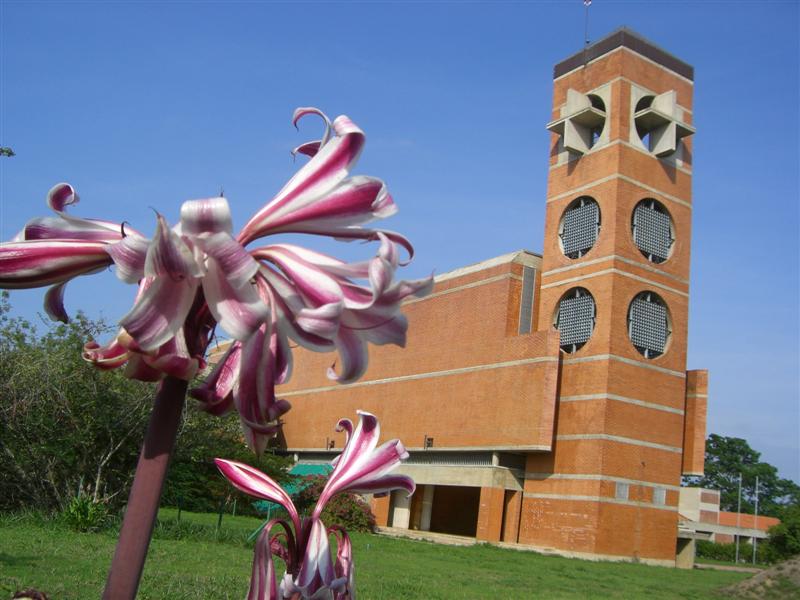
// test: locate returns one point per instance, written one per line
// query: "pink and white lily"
(304, 544)
(197, 274)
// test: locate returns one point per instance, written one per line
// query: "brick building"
(545, 399)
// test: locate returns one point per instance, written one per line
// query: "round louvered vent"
(574, 319)
(579, 227)
(651, 226)
(649, 326)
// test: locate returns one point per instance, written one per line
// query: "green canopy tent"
(297, 484)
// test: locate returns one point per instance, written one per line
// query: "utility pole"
(755, 525)
(738, 517)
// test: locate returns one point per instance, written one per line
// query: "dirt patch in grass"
(781, 581)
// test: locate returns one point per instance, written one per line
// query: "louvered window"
(579, 227)
(526, 301)
(648, 324)
(575, 319)
(652, 230)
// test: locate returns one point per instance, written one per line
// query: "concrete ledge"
(458, 540)
(427, 536)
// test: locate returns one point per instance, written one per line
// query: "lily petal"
(54, 303)
(129, 255)
(361, 466)
(354, 201)
(173, 359)
(168, 255)
(62, 195)
(309, 148)
(255, 483)
(320, 175)
(137, 369)
(254, 390)
(263, 583)
(353, 358)
(111, 356)
(238, 310)
(212, 215)
(159, 312)
(216, 392)
(66, 227)
(38, 263)
(316, 571)
(344, 566)
(316, 286)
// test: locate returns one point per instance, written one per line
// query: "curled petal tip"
(62, 195)
(54, 303)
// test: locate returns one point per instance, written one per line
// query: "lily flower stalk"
(303, 544)
(267, 298)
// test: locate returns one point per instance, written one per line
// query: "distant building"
(699, 513)
(545, 399)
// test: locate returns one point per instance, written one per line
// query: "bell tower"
(615, 283)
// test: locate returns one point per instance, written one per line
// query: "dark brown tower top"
(624, 37)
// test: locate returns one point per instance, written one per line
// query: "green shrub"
(194, 483)
(727, 552)
(84, 514)
(348, 510)
(784, 538)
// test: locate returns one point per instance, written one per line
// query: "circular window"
(579, 227)
(574, 319)
(649, 326)
(652, 230)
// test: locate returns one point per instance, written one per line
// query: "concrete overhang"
(710, 528)
(494, 477)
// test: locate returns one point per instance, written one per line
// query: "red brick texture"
(461, 379)
(694, 432)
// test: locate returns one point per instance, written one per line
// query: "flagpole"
(586, 4)
(738, 517)
(755, 525)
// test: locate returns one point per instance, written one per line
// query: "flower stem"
(151, 471)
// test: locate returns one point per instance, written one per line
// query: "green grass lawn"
(186, 562)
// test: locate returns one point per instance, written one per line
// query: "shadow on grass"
(18, 561)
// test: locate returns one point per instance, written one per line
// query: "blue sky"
(145, 105)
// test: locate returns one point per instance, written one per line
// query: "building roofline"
(525, 257)
(627, 38)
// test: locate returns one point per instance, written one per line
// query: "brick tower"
(615, 282)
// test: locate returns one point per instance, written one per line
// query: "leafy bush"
(348, 510)
(784, 538)
(193, 482)
(61, 420)
(727, 552)
(84, 514)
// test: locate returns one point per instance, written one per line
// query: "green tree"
(726, 458)
(64, 425)
(194, 482)
(784, 538)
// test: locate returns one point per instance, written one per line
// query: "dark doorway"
(455, 510)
